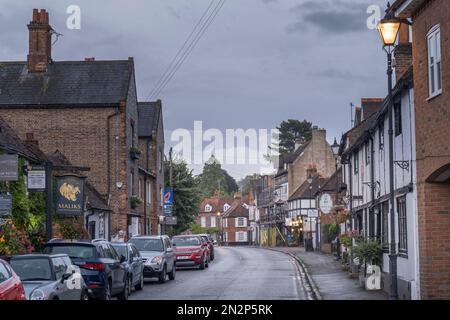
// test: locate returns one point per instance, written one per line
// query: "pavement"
(328, 277)
(237, 273)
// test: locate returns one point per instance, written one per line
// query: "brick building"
(88, 110)
(235, 223)
(431, 53)
(211, 210)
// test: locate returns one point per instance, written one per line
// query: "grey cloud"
(341, 75)
(329, 17)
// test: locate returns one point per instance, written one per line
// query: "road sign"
(167, 210)
(325, 203)
(36, 179)
(168, 196)
(9, 167)
(5, 205)
(171, 221)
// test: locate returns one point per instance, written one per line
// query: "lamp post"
(388, 28)
(310, 218)
(220, 227)
(335, 149)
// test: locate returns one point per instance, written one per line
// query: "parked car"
(11, 287)
(210, 242)
(101, 267)
(158, 255)
(191, 251)
(134, 264)
(46, 277)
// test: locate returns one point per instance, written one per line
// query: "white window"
(149, 192)
(226, 206)
(203, 222)
(225, 236)
(213, 222)
(208, 208)
(241, 222)
(241, 236)
(245, 206)
(225, 223)
(434, 61)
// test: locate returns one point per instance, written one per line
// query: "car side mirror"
(65, 277)
(122, 259)
(169, 250)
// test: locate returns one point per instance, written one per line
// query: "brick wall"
(319, 153)
(433, 152)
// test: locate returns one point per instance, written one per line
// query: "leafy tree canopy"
(291, 130)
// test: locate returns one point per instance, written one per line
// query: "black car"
(103, 270)
(134, 264)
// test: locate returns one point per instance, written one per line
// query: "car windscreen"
(32, 269)
(186, 241)
(72, 250)
(148, 244)
(121, 250)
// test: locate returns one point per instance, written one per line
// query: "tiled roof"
(216, 203)
(149, 114)
(303, 192)
(12, 143)
(91, 83)
(237, 210)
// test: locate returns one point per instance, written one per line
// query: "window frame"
(385, 208)
(402, 220)
(433, 78)
(398, 128)
(356, 162)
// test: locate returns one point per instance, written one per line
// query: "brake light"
(93, 266)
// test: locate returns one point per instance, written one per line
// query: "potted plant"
(368, 253)
(135, 202)
(135, 153)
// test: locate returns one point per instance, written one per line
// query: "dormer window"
(208, 208)
(226, 207)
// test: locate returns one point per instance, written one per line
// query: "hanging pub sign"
(70, 195)
(9, 167)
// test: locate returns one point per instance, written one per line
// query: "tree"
(213, 178)
(290, 131)
(185, 192)
(244, 184)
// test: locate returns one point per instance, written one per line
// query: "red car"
(10, 286)
(191, 251)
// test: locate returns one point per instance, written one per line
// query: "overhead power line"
(175, 58)
(186, 51)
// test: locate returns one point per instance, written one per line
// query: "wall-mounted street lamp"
(389, 28)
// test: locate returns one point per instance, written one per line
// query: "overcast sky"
(260, 62)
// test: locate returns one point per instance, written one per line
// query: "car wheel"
(84, 296)
(202, 266)
(107, 293)
(162, 275)
(140, 285)
(130, 284)
(172, 273)
(124, 294)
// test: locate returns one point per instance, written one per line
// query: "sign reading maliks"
(70, 195)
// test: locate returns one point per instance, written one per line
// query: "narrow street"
(236, 273)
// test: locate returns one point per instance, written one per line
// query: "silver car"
(49, 277)
(158, 256)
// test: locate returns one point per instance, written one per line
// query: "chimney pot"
(40, 48)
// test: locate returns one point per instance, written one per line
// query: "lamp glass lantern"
(388, 29)
(335, 147)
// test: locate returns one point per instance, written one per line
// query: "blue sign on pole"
(168, 196)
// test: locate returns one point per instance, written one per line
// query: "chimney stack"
(40, 42)
(403, 52)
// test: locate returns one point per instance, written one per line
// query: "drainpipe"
(372, 180)
(108, 160)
